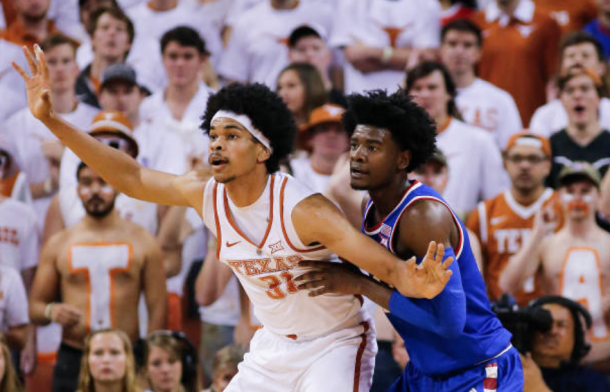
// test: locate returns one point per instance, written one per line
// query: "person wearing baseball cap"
(504, 222)
(327, 140)
(573, 261)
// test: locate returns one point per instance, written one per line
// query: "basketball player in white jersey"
(98, 268)
(575, 261)
(265, 224)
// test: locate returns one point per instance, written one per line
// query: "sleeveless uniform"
(503, 225)
(479, 356)
(307, 343)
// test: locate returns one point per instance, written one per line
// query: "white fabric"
(364, 21)
(304, 173)
(154, 109)
(238, 7)
(19, 235)
(12, 87)
(153, 24)
(247, 123)
(524, 12)
(327, 364)
(281, 308)
(21, 189)
(552, 117)
(144, 56)
(486, 106)
(257, 52)
(475, 166)
(65, 15)
(28, 134)
(225, 310)
(13, 299)
(157, 150)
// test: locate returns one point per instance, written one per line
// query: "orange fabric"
(8, 9)
(505, 235)
(7, 184)
(571, 15)
(16, 34)
(520, 58)
(42, 377)
(174, 312)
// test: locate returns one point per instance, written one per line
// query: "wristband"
(48, 309)
(48, 186)
(387, 54)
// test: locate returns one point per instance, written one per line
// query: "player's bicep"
(425, 222)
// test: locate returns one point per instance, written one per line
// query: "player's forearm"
(117, 168)
(37, 312)
(157, 315)
(522, 265)
(376, 292)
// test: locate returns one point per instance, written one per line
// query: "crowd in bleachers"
(518, 90)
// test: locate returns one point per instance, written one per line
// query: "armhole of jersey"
(288, 231)
(458, 251)
(482, 222)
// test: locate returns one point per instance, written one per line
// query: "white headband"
(247, 123)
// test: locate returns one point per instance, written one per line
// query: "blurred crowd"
(518, 92)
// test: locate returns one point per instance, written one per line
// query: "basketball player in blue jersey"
(454, 341)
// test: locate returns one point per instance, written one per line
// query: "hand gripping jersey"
(431, 352)
(266, 269)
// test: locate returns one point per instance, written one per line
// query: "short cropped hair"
(268, 113)
(116, 13)
(58, 39)
(426, 69)
(581, 37)
(410, 125)
(184, 36)
(463, 25)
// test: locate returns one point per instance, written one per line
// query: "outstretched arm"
(117, 168)
(317, 220)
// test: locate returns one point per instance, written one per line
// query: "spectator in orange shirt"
(571, 15)
(520, 51)
(503, 223)
(31, 24)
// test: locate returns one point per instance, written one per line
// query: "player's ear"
(263, 153)
(404, 159)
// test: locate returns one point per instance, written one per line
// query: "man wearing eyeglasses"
(504, 222)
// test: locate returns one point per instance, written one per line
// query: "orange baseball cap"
(530, 139)
(326, 113)
(113, 123)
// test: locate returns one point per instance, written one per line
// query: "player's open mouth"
(357, 172)
(217, 161)
(579, 109)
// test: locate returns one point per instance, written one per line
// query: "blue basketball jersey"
(455, 330)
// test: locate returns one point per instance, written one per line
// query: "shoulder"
(474, 134)
(549, 109)
(426, 219)
(479, 18)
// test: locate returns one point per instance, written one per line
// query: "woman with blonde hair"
(108, 363)
(8, 378)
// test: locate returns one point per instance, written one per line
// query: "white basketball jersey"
(267, 269)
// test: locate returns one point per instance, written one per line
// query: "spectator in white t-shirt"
(474, 160)
(11, 88)
(13, 182)
(577, 48)
(327, 140)
(178, 108)
(14, 317)
(37, 150)
(481, 103)
(258, 47)
(379, 37)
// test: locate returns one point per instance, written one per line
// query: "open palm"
(37, 86)
(429, 278)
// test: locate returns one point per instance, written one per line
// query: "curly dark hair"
(268, 113)
(410, 125)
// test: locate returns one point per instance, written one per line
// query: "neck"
(580, 229)
(248, 188)
(108, 387)
(181, 94)
(604, 18)
(464, 79)
(109, 221)
(441, 121)
(546, 362)
(527, 197)
(134, 118)
(446, 4)
(583, 134)
(64, 101)
(98, 66)
(510, 8)
(323, 164)
(284, 4)
(163, 5)
(38, 29)
(387, 198)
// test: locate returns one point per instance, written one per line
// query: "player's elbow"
(453, 328)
